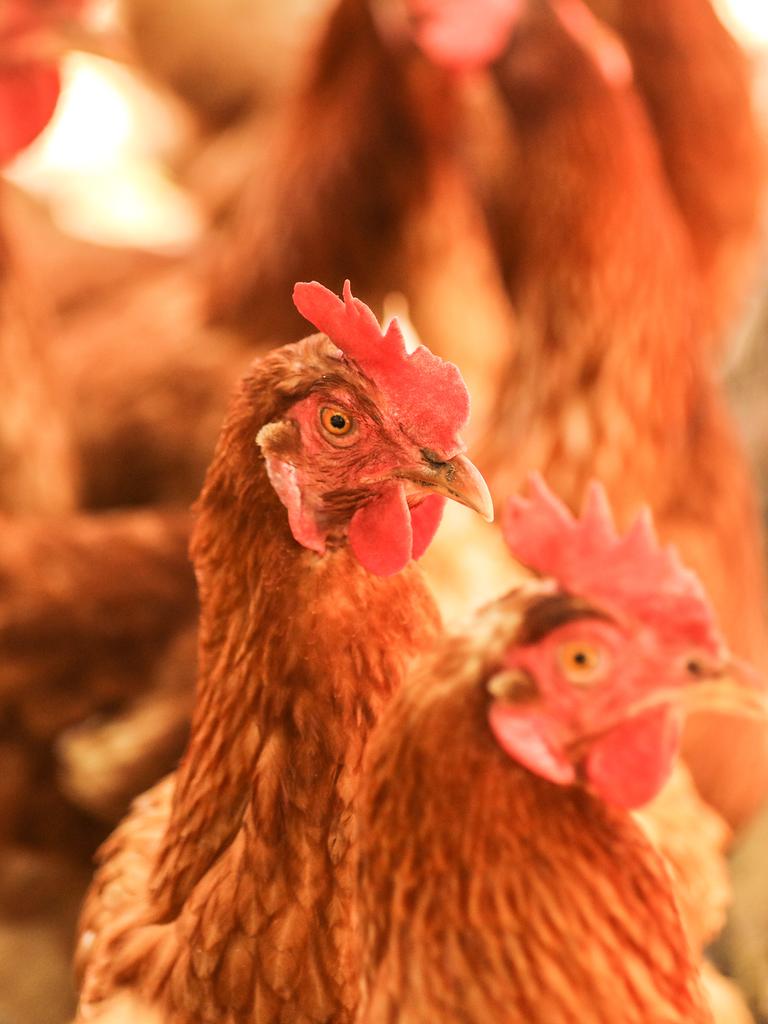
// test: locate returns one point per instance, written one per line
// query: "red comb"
(29, 84)
(632, 573)
(428, 394)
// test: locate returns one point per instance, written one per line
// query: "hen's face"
(346, 470)
(582, 697)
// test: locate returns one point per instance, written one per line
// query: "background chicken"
(88, 605)
(501, 876)
(310, 615)
(609, 305)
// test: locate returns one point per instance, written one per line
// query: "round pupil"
(338, 422)
(581, 658)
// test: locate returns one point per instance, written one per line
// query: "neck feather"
(534, 899)
(298, 653)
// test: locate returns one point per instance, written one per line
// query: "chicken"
(501, 873)
(695, 82)
(38, 461)
(38, 470)
(226, 892)
(608, 372)
(89, 605)
(168, 346)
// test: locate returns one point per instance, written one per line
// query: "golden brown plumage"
(89, 605)
(695, 83)
(487, 893)
(608, 373)
(226, 892)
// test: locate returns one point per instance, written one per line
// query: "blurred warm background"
(581, 227)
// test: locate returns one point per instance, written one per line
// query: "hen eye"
(581, 662)
(335, 421)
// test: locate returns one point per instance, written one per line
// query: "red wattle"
(629, 765)
(532, 739)
(425, 519)
(28, 95)
(380, 533)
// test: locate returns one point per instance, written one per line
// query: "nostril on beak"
(435, 462)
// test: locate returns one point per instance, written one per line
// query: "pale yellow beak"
(456, 478)
(736, 689)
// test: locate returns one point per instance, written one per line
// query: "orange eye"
(581, 662)
(336, 421)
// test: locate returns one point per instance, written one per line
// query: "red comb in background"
(587, 556)
(28, 97)
(464, 34)
(427, 393)
(29, 77)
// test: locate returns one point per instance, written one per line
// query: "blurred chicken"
(501, 876)
(696, 85)
(88, 605)
(540, 186)
(609, 374)
(226, 892)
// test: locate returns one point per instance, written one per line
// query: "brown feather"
(241, 863)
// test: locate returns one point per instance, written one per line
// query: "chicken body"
(226, 893)
(488, 891)
(695, 83)
(608, 372)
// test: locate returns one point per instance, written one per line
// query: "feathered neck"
(298, 653)
(519, 892)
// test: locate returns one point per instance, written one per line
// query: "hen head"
(607, 648)
(368, 449)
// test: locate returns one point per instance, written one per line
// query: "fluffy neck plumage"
(525, 901)
(298, 654)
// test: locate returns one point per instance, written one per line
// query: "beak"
(735, 688)
(457, 479)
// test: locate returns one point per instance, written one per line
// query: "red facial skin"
(332, 484)
(464, 35)
(590, 730)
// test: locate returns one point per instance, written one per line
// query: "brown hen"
(501, 876)
(226, 891)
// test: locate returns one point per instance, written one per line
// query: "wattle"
(464, 36)
(631, 763)
(386, 534)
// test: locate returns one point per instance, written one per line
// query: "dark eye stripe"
(553, 611)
